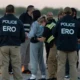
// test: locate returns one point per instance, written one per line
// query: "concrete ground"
(25, 76)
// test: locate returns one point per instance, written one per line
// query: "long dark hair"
(36, 14)
(74, 11)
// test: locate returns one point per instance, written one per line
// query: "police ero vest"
(9, 28)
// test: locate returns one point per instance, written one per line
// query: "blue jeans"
(36, 57)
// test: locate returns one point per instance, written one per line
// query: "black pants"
(47, 50)
(67, 67)
(78, 58)
(10, 66)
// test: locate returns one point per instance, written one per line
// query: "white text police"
(67, 24)
(9, 21)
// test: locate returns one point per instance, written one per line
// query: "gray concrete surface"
(25, 76)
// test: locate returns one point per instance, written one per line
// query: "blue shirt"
(36, 30)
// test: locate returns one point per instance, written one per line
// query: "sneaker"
(26, 72)
(67, 76)
(79, 78)
(10, 73)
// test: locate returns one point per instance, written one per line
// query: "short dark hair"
(67, 10)
(10, 9)
(29, 7)
(36, 14)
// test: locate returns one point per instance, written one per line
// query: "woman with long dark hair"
(36, 47)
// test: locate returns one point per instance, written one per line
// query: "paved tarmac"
(26, 76)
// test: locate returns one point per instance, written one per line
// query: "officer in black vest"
(48, 28)
(67, 33)
(11, 36)
(74, 15)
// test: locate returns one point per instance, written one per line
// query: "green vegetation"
(20, 10)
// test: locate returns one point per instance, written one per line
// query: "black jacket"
(48, 32)
(27, 21)
(67, 32)
(11, 31)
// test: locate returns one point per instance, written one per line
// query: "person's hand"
(42, 39)
(26, 35)
(27, 38)
(79, 41)
(39, 39)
